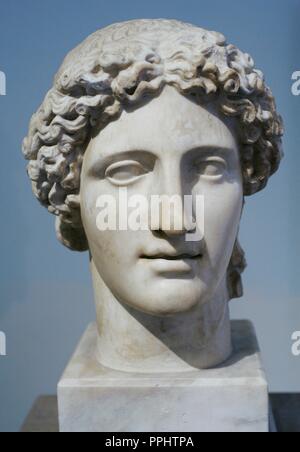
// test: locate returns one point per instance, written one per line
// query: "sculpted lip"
(172, 264)
(178, 257)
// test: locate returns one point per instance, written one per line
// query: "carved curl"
(118, 66)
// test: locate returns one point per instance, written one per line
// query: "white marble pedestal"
(230, 398)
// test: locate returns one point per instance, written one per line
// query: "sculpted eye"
(213, 168)
(125, 172)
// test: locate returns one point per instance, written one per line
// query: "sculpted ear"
(72, 237)
(234, 275)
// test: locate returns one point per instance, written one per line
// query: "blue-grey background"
(46, 299)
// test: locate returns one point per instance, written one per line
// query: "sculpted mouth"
(178, 257)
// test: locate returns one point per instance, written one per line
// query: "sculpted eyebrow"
(210, 150)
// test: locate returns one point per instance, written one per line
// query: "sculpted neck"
(131, 341)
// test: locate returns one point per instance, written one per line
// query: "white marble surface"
(162, 300)
(156, 108)
(230, 398)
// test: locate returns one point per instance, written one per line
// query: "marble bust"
(159, 108)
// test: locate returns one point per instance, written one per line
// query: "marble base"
(230, 398)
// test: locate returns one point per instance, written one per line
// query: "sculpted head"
(158, 107)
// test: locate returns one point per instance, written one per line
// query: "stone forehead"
(124, 42)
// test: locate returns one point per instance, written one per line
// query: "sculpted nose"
(175, 216)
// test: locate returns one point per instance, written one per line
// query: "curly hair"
(119, 66)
